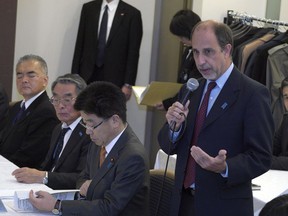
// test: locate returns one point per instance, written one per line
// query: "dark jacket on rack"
(280, 146)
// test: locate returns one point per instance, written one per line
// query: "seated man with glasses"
(116, 178)
(25, 139)
(67, 155)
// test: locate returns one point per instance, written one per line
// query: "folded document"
(155, 92)
(22, 203)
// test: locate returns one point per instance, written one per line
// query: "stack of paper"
(22, 203)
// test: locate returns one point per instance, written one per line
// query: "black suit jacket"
(4, 102)
(240, 121)
(71, 162)
(120, 186)
(280, 146)
(27, 141)
(122, 46)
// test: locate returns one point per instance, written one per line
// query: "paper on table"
(9, 184)
(22, 203)
(2, 207)
(155, 92)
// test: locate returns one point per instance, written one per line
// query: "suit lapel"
(225, 99)
(26, 114)
(96, 17)
(195, 99)
(118, 18)
(111, 158)
(75, 139)
(34, 105)
(107, 165)
(46, 165)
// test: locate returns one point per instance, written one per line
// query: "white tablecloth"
(273, 183)
(8, 185)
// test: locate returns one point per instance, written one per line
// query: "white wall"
(49, 28)
(283, 11)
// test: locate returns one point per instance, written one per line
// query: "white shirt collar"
(73, 124)
(111, 6)
(30, 101)
(224, 77)
(113, 142)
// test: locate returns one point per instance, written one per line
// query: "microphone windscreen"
(192, 84)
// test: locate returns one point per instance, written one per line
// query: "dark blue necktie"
(102, 38)
(59, 145)
(20, 114)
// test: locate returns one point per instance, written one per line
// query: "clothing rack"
(231, 15)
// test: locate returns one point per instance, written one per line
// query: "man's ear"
(228, 50)
(115, 120)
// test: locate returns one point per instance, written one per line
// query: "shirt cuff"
(225, 173)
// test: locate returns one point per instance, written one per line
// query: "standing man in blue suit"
(234, 144)
(62, 172)
(114, 59)
(25, 140)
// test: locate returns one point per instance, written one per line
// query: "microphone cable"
(172, 142)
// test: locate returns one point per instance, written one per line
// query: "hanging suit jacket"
(120, 187)
(257, 69)
(240, 121)
(71, 162)
(122, 46)
(280, 146)
(277, 70)
(26, 142)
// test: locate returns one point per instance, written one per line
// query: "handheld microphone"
(191, 85)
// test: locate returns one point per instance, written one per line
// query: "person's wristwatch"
(45, 179)
(57, 208)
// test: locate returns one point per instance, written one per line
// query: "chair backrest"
(160, 192)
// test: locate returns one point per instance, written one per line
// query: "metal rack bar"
(249, 18)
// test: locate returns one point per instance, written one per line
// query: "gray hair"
(37, 58)
(71, 78)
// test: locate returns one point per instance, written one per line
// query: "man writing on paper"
(116, 178)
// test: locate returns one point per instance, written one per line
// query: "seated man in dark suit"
(25, 140)
(280, 141)
(63, 171)
(4, 103)
(276, 207)
(116, 178)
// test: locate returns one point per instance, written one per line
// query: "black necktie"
(20, 114)
(102, 38)
(201, 116)
(59, 145)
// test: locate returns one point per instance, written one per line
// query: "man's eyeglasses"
(92, 127)
(65, 101)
